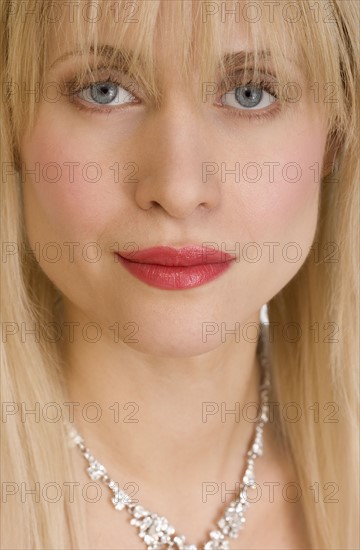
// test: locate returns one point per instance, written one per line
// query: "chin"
(173, 345)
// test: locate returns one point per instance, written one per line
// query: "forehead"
(168, 25)
(172, 43)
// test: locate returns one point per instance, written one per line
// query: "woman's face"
(126, 171)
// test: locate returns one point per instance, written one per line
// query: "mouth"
(170, 268)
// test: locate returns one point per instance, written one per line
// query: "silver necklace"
(155, 530)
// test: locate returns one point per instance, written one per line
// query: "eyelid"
(76, 84)
(242, 78)
(264, 85)
(129, 97)
(254, 108)
(235, 79)
(265, 81)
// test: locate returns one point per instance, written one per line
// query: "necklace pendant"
(157, 533)
(154, 529)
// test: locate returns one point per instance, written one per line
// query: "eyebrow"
(122, 58)
(241, 57)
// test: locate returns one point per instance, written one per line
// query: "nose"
(174, 143)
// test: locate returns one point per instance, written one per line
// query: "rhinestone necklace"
(155, 530)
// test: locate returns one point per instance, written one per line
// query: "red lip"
(186, 256)
(174, 269)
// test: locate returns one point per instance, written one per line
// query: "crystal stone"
(96, 470)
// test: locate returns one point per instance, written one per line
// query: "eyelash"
(74, 86)
(253, 114)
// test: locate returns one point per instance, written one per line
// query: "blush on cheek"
(289, 190)
(68, 191)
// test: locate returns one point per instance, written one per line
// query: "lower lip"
(175, 278)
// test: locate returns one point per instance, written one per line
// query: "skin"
(171, 369)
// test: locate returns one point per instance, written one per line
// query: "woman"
(170, 169)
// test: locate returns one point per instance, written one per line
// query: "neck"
(152, 414)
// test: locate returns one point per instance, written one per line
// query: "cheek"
(68, 188)
(279, 186)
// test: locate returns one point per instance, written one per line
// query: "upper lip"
(186, 256)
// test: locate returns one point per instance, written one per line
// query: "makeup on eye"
(105, 93)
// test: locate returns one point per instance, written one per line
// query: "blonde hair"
(318, 370)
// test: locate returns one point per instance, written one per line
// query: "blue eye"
(106, 93)
(247, 97)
